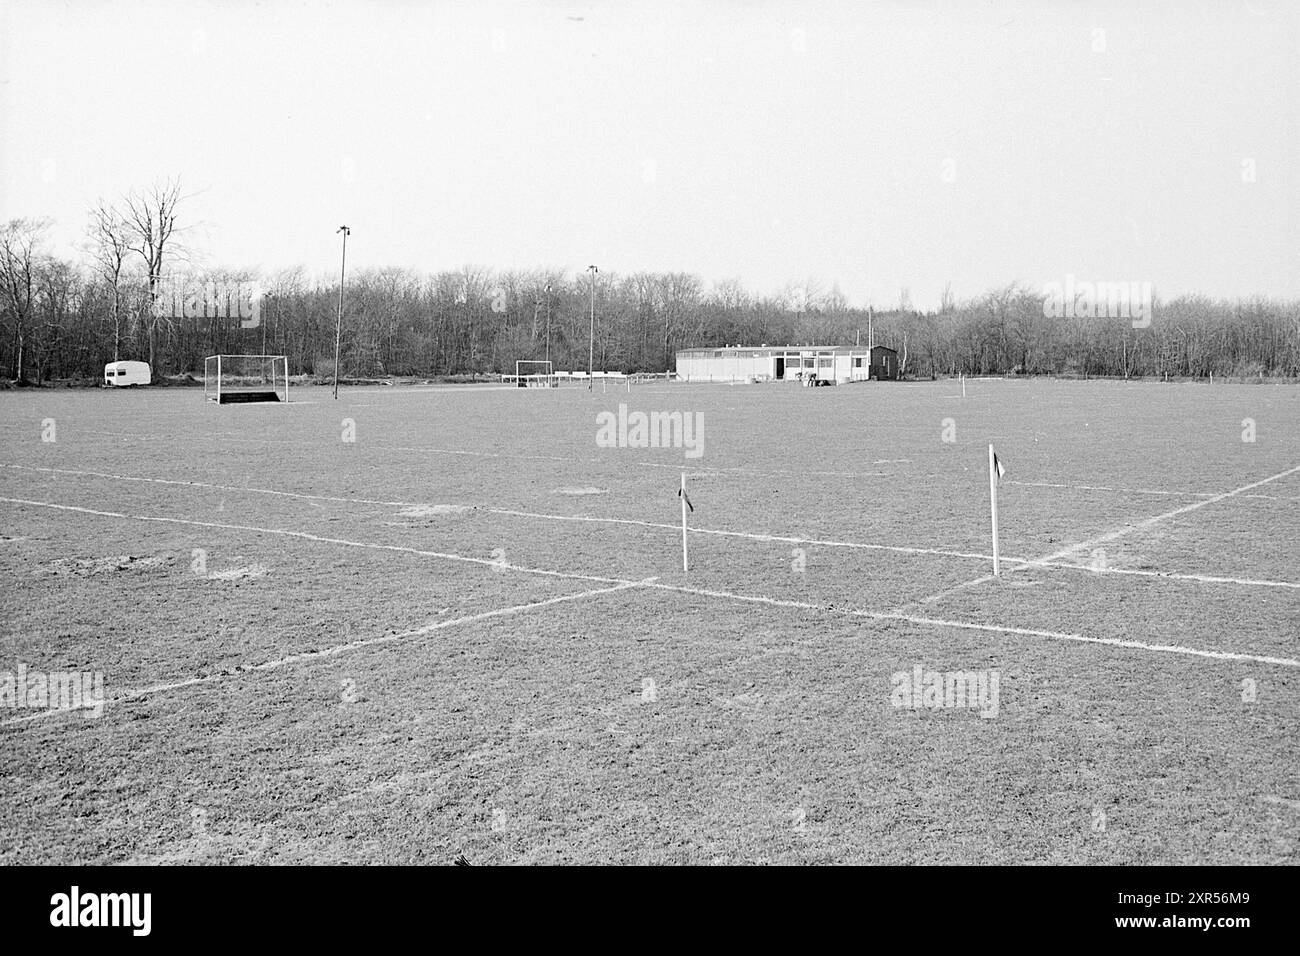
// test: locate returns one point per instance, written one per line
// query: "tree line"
(63, 319)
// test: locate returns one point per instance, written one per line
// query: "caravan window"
(121, 371)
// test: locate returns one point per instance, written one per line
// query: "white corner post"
(993, 503)
(218, 379)
(685, 564)
(338, 323)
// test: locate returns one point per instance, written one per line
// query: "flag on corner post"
(996, 471)
(686, 503)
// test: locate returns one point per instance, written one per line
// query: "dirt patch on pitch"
(89, 567)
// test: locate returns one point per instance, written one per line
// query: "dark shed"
(884, 363)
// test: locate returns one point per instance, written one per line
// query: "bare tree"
(681, 297)
(109, 247)
(946, 301)
(150, 218)
(20, 241)
(58, 296)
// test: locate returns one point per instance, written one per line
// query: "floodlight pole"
(338, 323)
(591, 345)
(548, 322)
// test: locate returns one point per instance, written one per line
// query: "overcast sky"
(874, 146)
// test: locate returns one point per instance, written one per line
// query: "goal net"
(246, 378)
(530, 373)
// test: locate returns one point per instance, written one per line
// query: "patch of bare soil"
(89, 567)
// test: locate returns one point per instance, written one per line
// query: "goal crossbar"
(246, 378)
(532, 373)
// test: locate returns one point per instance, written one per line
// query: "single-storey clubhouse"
(828, 363)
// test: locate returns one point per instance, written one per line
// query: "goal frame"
(212, 390)
(525, 379)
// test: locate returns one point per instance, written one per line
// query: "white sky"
(770, 142)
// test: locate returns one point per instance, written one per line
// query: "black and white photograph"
(687, 433)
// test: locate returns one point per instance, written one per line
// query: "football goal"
(246, 378)
(530, 373)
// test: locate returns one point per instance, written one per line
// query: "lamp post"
(591, 345)
(266, 302)
(548, 322)
(338, 324)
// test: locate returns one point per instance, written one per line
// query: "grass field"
(468, 631)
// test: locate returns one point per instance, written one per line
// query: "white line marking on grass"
(1141, 491)
(1138, 572)
(1108, 641)
(214, 487)
(745, 534)
(685, 589)
(946, 592)
(1107, 537)
(510, 512)
(320, 539)
(1131, 491)
(1156, 519)
(784, 539)
(1282, 801)
(996, 628)
(338, 649)
(1172, 575)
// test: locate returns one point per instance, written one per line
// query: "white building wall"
(732, 365)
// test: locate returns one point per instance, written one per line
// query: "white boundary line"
(740, 470)
(337, 649)
(1142, 525)
(745, 534)
(685, 589)
(1156, 519)
(993, 628)
(1140, 491)
(1172, 575)
(785, 539)
(510, 512)
(320, 539)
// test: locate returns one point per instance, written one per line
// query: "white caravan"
(126, 373)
